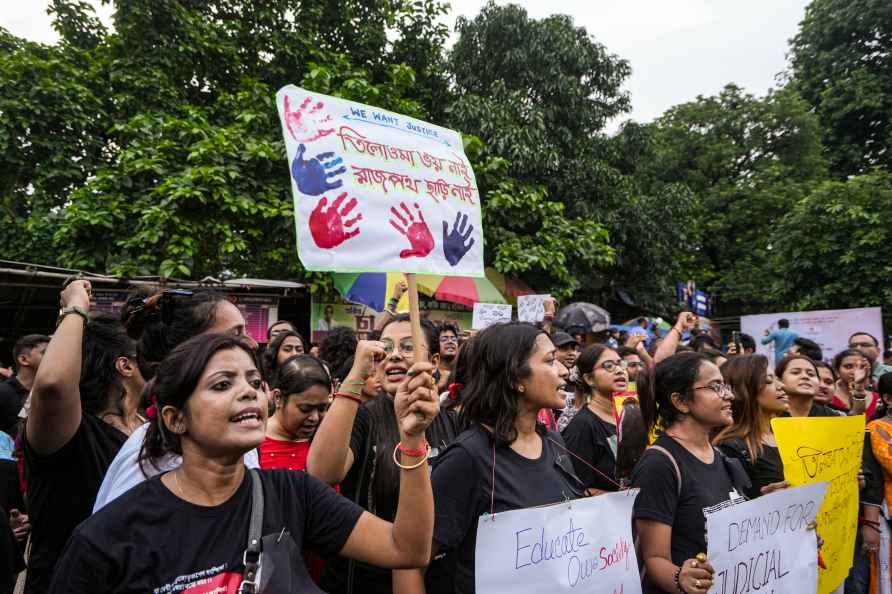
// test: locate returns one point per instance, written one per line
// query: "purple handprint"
(314, 176)
(456, 244)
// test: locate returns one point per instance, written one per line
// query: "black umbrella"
(588, 316)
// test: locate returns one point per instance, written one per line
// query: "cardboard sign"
(531, 308)
(376, 191)
(818, 449)
(580, 546)
(487, 314)
(765, 545)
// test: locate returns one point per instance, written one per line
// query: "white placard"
(487, 314)
(531, 308)
(377, 191)
(830, 328)
(764, 545)
(581, 546)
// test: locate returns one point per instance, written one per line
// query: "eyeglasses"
(718, 387)
(609, 366)
(634, 364)
(445, 339)
(406, 348)
(861, 345)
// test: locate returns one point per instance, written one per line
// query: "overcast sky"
(678, 48)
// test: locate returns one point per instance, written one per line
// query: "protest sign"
(376, 191)
(817, 449)
(487, 314)
(531, 308)
(580, 546)
(765, 545)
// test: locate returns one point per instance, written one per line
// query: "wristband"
(394, 301)
(413, 453)
(354, 383)
(355, 399)
(73, 309)
(676, 579)
(412, 466)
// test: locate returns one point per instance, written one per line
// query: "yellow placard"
(816, 449)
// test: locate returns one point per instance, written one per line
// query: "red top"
(873, 401)
(275, 453)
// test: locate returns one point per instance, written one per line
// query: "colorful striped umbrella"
(375, 289)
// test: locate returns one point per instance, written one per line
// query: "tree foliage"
(842, 65)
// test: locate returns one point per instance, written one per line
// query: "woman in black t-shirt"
(799, 378)
(187, 530)
(514, 374)
(355, 441)
(591, 434)
(682, 477)
(758, 398)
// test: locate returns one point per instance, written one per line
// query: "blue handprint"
(456, 244)
(314, 176)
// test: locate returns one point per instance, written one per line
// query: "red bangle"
(355, 399)
(417, 453)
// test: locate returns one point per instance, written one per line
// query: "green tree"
(842, 65)
(831, 250)
(748, 161)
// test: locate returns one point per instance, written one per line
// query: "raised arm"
(668, 346)
(407, 542)
(390, 309)
(330, 456)
(55, 396)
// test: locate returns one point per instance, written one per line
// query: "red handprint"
(416, 232)
(327, 225)
(307, 126)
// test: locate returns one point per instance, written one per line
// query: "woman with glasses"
(355, 442)
(682, 476)
(591, 435)
(758, 398)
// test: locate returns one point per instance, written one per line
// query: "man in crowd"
(870, 346)
(782, 338)
(447, 339)
(567, 349)
(27, 354)
(633, 360)
(807, 347)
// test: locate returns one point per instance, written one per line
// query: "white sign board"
(376, 191)
(580, 546)
(531, 308)
(764, 545)
(830, 328)
(487, 314)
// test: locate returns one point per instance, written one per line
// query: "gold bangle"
(414, 466)
(354, 392)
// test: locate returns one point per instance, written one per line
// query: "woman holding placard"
(358, 439)
(592, 433)
(758, 398)
(505, 460)
(682, 476)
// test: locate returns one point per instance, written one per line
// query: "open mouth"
(250, 418)
(395, 374)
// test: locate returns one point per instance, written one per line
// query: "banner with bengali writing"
(376, 191)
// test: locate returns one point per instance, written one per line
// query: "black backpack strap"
(254, 552)
(669, 455)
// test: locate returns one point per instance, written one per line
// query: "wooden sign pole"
(415, 318)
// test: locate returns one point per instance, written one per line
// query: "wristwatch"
(73, 309)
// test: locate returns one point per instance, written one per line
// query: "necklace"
(177, 483)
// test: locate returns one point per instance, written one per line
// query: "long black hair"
(386, 479)
(461, 373)
(104, 342)
(271, 354)
(174, 383)
(163, 320)
(502, 353)
(674, 375)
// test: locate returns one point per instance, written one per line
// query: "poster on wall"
(259, 312)
(331, 312)
(830, 328)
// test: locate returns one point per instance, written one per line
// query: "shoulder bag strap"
(253, 553)
(669, 455)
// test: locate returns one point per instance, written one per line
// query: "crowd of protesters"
(166, 451)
